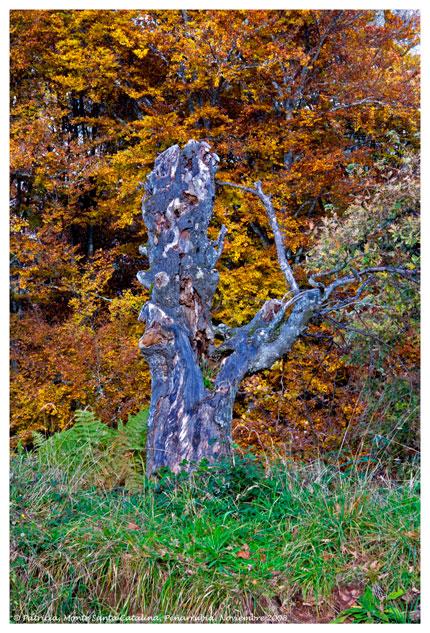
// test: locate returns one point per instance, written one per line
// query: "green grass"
(224, 543)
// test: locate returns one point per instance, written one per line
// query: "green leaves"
(393, 595)
(95, 452)
(372, 609)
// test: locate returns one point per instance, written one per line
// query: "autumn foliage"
(322, 106)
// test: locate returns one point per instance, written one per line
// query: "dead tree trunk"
(188, 421)
(183, 424)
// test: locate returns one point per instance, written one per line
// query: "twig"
(343, 281)
(78, 292)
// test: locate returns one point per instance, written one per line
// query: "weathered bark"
(183, 423)
(187, 420)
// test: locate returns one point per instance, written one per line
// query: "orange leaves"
(295, 407)
(288, 97)
(59, 368)
(244, 552)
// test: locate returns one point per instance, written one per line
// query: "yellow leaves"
(18, 224)
(125, 309)
(215, 115)
(119, 35)
(50, 408)
(357, 122)
(141, 53)
(236, 247)
(245, 289)
(70, 83)
(309, 119)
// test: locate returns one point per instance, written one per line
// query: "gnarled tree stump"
(187, 421)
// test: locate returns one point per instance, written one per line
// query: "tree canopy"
(321, 106)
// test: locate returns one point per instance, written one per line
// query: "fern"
(92, 450)
(89, 430)
(38, 439)
(74, 445)
(135, 430)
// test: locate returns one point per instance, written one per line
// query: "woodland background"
(322, 106)
(321, 521)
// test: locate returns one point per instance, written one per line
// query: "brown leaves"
(244, 552)
(414, 535)
(132, 526)
(346, 596)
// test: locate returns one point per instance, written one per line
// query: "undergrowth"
(91, 537)
(93, 452)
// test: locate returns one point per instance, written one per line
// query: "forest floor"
(297, 543)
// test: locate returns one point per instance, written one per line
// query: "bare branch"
(235, 186)
(349, 328)
(305, 72)
(349, 300)
(266, 338)
(280, 249)
(77, 293)
(279, 242)
(326, 273)
(359, 102)
(357, 274)
(219, 244)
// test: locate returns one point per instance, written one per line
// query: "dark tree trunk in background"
(187, 420)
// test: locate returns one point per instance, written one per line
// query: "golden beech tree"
(318, 105)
